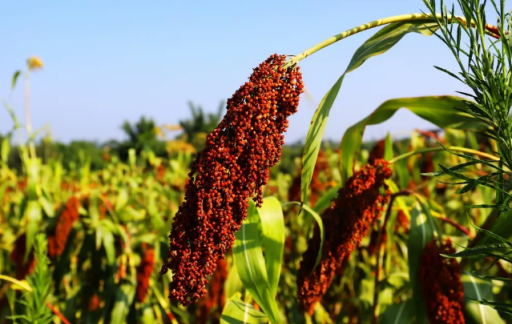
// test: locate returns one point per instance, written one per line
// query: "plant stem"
(28, 123)
(57, 313)
(375, 312)
(457, 226)
(437, 149)
(490, 30)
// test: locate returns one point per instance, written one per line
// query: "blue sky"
(110, 61)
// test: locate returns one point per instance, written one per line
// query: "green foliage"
(378, 44)
(34, 302)
(257, 271)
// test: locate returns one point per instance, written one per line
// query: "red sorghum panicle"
(57, 241)
(377, 151)
(233, 166)
(94, 303)
(144, 271)
(441, 284)
(23, 269)
(359, 203)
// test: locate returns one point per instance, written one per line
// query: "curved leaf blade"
(401, 313)
(478, 289)
(378, 44)
(320, 223)
(439, 110)
(250, 264)
(272, 226)
(420, 234)
(478, 251)
(238, 312)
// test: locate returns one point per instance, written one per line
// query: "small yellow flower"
(34, 63)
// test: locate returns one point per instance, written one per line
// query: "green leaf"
(233, 283)
(439, 110)
(477, 289)
(47, 206)
(478, 251)
(499, 231)
(33, 218)
(378, 44)
(14, 79)
(388, 148)
(272, 226)
(94, 211)
(104, 235)
(320, 223)
(22, 284)
(238, 312)
(314, 137)
(124, 298)
(250, 264)
(420, 234)
(325, 201)
(401, 313)
(122, 199)
(5, 149)
(15, 120)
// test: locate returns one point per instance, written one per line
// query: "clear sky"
(107, 61)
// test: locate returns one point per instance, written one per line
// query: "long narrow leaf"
(378, 44)
(272, 226)
(250, 264)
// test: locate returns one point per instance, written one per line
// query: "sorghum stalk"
(490, 30)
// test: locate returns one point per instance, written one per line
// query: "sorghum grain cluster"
(441, 284)
(144, 271)
(233, 166)
(359, 203)
(23, 268)
(377, 151)
(58, 239)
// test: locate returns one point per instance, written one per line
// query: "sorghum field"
(229, 224)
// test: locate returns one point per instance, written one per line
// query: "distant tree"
(141, 136)
(201, 124)
(70, 153)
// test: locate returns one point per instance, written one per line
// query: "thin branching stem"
(378, 266)
(490, 30)
(437, 149)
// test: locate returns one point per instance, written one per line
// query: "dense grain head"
(441, 284)
(57, 241)
(233, 166)
(359, 203)
(23, 267)
(144, 271)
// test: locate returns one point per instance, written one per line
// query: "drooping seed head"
(233, 167)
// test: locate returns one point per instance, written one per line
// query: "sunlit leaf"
(378, 44)
(272, 225)
(439, 110)
(250, 264)
(238, 312)
(477, 289)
